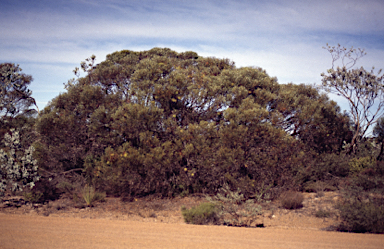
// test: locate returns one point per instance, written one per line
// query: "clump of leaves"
(90, 195)
(292, 200)
(361, 215)
(18, 169)
(205, 213)
(234, 208)
(357, 165)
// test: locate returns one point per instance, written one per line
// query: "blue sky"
(50, 38)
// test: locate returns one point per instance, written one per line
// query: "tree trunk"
(353, 148)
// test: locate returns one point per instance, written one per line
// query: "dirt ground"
(157, 223)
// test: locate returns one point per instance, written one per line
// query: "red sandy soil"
(157, 223)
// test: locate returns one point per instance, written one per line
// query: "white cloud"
(282, 37)
(196, 20)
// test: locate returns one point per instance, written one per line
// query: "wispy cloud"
(50, 38)
(193, 19)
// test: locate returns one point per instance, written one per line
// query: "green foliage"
(205, 213)
(234, 208)
(357, 165)
(311, 117)
(33, 197)
(361, 215)
(24, 123)
(18, 168)
(292, 200)
(326, 168)
(173, 123)
(15, 105)
(179, 131)
(69, 131)
(368, 181)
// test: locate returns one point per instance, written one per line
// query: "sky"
(49, 38)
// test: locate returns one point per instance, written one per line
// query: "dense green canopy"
(164, 122)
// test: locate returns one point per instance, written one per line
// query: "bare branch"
(348, 57)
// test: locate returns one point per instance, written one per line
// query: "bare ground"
(157, 223)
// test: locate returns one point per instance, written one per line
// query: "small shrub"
(368, 183)
(361, 216)
(321, 213)
(292, 200)
(66, 187)
(234, 208)
(33, 197)
(90, 195)
(47, 187)
(327, 168)
(205, 213)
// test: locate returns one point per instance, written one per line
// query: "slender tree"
(18, 108)
(363, 90)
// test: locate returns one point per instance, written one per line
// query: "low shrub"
(67, 189)
(361, 215)
(234, 208)
(292, 200)
(47, 187)
(321, 213)
(33, 196)
(357, 165)
(205, 213)
(326, 168)
(368, 182)
(90, 195)
(318, 187)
